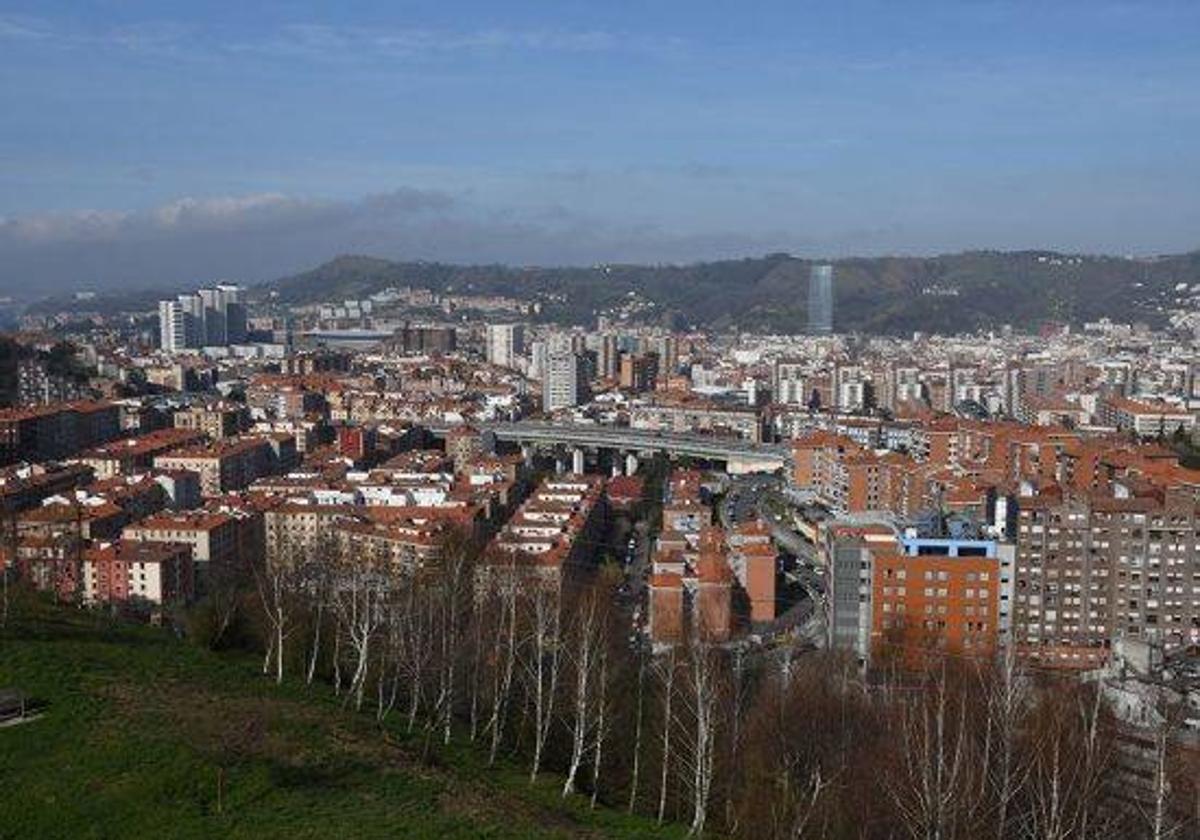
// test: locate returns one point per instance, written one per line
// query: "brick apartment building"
(138, 574)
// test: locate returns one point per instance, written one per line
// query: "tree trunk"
(601, 727)
(637, 733)
(316, 646)
(668, 693)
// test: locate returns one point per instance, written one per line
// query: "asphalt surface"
(742, 500)
(764, 497)
(637, 571)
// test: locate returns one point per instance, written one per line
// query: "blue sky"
(140, 137)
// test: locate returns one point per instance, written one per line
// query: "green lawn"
(137, 725)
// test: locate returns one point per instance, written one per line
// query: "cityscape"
(817, 544)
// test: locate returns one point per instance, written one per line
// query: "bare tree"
(805, 805)
(359, 598)
(504, 659)
(637, 728)
(1162, 823)
(543, 664)
(454, 584)
(928, 788)
(600, 731)
(414, 627)
(318, 595)
(700, 699)
(666, 668)
(276, 580)
(1069, 764)
(1003, 777)
(8, 557)
(739, 696)
(583, 648)
(392, 651)
(315, 582)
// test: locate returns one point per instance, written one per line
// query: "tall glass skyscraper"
(820, 300)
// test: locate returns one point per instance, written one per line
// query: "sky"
(174, 142)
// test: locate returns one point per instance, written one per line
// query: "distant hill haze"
(889, 295)
(949, 293)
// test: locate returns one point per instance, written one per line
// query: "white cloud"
(263, 236)
(326, 41)
(24, 28)
(195, 216)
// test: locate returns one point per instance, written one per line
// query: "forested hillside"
(892, 295)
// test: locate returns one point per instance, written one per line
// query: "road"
(759, 496)
(753, 457)
(741, 502)
(636, 562)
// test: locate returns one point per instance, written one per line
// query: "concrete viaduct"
(739, 456)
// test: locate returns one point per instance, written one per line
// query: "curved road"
(750, 494)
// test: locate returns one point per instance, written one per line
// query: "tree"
(600, 731)
(277, 579)
(583, 649)
(543, 663)
(637, 730)
(454, 580)
(414, 628)
(929, 786)
(1071, 754)
(1003, 776)
(8, 559)
(588, 641)
(666, 668)
(700, 699)
(503, 660)
(359, 590)
(237, 739)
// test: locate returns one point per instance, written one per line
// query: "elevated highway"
(740, 456)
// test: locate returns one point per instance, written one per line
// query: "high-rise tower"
(820, 300)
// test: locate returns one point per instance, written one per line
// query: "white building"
(505, 344)
(564, 383)
(213, 317)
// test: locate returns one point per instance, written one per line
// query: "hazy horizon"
(165, 143)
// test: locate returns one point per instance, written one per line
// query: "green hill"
(891, 295)
(137, 729)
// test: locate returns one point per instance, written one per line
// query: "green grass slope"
(138, 727)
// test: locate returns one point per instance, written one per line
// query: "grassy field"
(138, 729)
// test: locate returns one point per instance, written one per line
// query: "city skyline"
(771, 422)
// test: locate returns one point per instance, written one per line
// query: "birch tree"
(583, 649)
(504, 659)
(700, 699)
(928, 787)
(600, 731)
(666, 669)
(359, 602)
(637, 727)
(1003, 776)
(542, 665)
(454, 584)
(275, 581)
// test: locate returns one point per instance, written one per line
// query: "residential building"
(505, 344)
(564, 383)
(138, 574)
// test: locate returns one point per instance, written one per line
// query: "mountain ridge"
(957, 292)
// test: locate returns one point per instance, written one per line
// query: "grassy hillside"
(138, 728)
